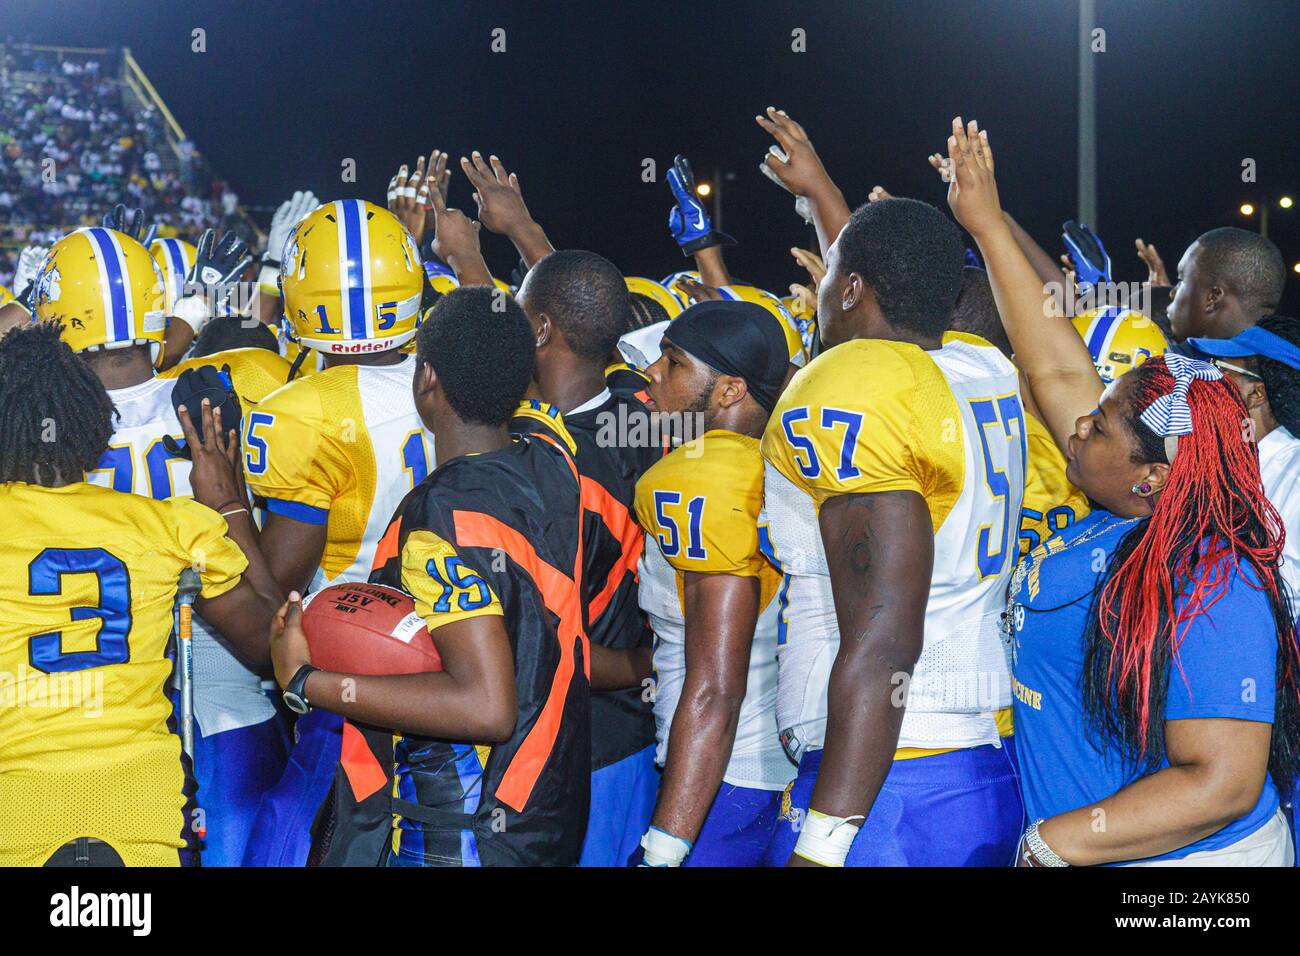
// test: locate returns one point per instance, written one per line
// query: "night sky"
(586, 91)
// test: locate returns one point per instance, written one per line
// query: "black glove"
(192, 387)
(131, 222)
(217, 263)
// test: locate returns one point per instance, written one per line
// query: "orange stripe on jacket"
(560, 594)
(387, 546)
(360, 766)
(624, 528)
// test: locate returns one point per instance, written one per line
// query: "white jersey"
(1279, 466)
(872, 416)
(227, 694)
(699, 507)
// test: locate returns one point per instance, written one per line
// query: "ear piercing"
(1142, 489)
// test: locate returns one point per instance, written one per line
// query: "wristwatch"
(294, 697)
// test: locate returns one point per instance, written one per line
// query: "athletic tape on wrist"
(267, 282)
(664, 849)
(193, 311)
(825, 839)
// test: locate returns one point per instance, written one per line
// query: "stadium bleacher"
(84, 129)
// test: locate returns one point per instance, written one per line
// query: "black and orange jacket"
(613, 453)
(491, 533)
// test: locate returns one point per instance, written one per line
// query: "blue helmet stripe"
(107, 250)
(1101, 326)
(356, 287)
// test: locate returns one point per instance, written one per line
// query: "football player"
(105, 291)
(895, 470)
(492, 759)
(710, 593)
(332, 454)
(92, 771)
(578, 305)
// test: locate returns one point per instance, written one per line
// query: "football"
(368, 629)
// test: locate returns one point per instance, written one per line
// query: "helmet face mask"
(352, 279)
(105, 290)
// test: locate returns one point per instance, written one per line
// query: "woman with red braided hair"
(1156, 676)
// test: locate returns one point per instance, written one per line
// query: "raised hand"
(287, 215)
(942, 165)
(688, 221)
(501, 206)
(408, 196)
(812, 263)
(793, 160)
(878, 193)
(973, 192)
(500, 202)
(697, 291)
(1156, 274)
(456, 242)
(1088, 256)
(216, 475)
(131, 222)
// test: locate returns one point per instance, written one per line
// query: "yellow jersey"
(1052, 504)
(699, 507)
(255, 373)
(871, 416)
(84, 667)
(339, 448)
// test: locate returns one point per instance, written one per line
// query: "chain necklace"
(1039, 553)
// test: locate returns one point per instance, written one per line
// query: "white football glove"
(29, 263)
(289, 214)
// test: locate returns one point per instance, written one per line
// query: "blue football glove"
(1091, 264)
(690, 225)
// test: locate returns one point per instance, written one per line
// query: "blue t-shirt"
(1228, 660)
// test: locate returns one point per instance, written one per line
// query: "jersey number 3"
(45, 577)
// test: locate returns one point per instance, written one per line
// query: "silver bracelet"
(1043, 853)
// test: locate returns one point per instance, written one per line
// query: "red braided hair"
(1212, 513)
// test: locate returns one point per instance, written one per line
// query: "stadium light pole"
(1087, 210)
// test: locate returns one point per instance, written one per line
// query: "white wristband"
(663, 849)
(825, 839)
(267, 281)
(193, 310)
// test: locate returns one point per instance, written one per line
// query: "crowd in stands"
(74, 140)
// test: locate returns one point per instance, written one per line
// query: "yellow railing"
(135, 78)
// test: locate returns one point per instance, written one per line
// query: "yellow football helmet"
(749, 293)
(442, 284)
(798, 308)
(656, 293)
(1119, 339)
(105, 289)
(352, 279)
(175, 258)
